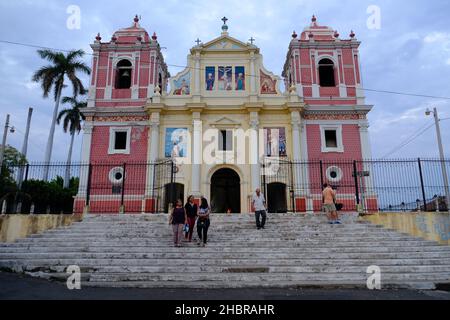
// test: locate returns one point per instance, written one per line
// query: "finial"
(113, 38)
(136, 19)
(352, 34)
(157, 90)
(154, 36)
(311, 35)
(294, 35)
(313, 19)
(98, 38)
(139, 38)
(336, 34)
(224, 27)
(198, 41)
(251, 40)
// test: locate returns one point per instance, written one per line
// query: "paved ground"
(17, 287)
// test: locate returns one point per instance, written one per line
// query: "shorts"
(329, 207)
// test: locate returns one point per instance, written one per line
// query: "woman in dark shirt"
(203, 222)
(178, 220)
(191, 212)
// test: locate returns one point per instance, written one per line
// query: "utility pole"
(25, 145)
(441, 153)
(2, 150)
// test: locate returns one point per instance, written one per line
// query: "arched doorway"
(173, 192)
(276, 197)
(225, 191)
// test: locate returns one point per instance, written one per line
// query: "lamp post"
(3, 146)
(441, 153)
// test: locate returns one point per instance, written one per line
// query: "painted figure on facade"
(240, 78)
(182, 85)
(210, 77)
(275, 142)
(225, 78)
(176, 142)
(268, 85)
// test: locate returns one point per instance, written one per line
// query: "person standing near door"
(259, 206)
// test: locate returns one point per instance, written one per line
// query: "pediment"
(226, 43)
(225, 122)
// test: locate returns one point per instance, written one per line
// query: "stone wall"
(17, 226)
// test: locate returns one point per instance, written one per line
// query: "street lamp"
(428, 112)
(3, 146)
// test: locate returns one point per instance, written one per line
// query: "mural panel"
(182, 85)
(210, 76)
(176, 143)
(240, 78)
(225, 78)
(268, 85)
(275, 142)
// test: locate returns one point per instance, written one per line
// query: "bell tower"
(128, 67)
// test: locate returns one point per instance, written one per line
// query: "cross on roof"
(198, 41)
(224, 19)
(252, 40)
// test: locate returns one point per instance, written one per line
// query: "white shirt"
(258, 202)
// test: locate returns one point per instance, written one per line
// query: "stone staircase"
(293, 251)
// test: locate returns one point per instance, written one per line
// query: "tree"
(72, 119)
(12, 159)
(51, 77)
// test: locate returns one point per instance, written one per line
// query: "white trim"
(338, 172)
(112, 131)
(340, 146)
(112, 173)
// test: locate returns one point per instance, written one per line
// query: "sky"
(406, 50)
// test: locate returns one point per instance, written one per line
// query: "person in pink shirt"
(329, 200)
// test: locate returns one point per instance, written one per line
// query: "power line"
(246, 75)
(408, 140)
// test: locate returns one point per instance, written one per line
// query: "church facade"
(224, 121)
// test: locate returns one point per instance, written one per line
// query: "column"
(85, 158)
(153, 151)
(197, 73)
(196, 153)
(252, 74)
(254, 151)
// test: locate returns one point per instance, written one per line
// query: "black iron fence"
(290, 186)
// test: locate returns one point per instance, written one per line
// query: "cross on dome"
(252, 40)
(224, 27)
(198, 41)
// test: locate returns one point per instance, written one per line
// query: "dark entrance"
(173, 192)
(276, 198)
(225, 191)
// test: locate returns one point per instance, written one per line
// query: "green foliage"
(51, 194)
(12, 158)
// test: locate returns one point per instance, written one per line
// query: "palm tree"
(72, 119)
(52, 77)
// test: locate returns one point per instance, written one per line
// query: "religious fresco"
(240, 78)
(275, 142)
(268, 85)
(176, 143)
(182, 85)
(225, 78)
(210, 76)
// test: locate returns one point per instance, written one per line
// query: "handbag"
(186, 228)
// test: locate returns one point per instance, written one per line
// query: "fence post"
(292, 191)
(355, 175)
(122, 199)
(422, 185)
(88, 190)
(322, 182)
(172, 186)
(154, 203)
(264, 180)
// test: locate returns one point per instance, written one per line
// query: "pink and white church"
(222, 120)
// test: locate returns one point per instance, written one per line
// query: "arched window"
(124, 72)
(326, 73)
